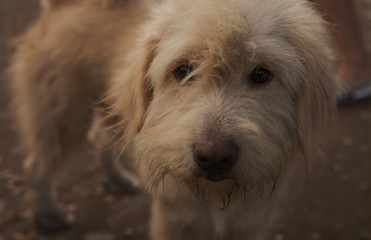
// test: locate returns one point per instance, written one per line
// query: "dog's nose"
(215, 157)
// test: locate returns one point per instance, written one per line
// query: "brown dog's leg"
(57, 134)
(53, 101)
(121, 177)
(185, 222)
(48, 217)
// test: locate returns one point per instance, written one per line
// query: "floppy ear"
(315, 105)
(131, 92)
(316, 99)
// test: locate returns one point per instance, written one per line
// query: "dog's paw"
(53, 221)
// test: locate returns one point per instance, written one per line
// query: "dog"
(208, 105)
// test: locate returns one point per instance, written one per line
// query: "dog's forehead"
(236, 26)
(221, 18)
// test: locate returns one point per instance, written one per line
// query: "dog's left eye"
(182, 71)
(260, 75)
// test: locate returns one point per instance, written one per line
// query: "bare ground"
(334, 205)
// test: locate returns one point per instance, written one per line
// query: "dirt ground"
(334, 205)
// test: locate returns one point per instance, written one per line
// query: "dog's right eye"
(260, 75)
(182, 71)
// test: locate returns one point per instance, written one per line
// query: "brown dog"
(208, 102)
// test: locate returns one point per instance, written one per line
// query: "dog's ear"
(315, 105)
(131, 91)
(316, 98)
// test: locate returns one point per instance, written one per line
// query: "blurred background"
(335, 204)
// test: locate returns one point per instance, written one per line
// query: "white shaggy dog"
(208, 103)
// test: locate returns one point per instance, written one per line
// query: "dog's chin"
(217, 190)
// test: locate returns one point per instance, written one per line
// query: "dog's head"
(223, 96)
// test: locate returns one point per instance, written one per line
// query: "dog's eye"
(260, 75)
(182, 71)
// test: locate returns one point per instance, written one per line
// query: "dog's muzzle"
(215, 158)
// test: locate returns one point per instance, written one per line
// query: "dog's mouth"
(214, 177)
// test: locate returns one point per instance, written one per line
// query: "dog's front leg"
(121, 177)
(48, 216)
(174, 220)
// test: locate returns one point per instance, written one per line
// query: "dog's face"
(225, 95)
